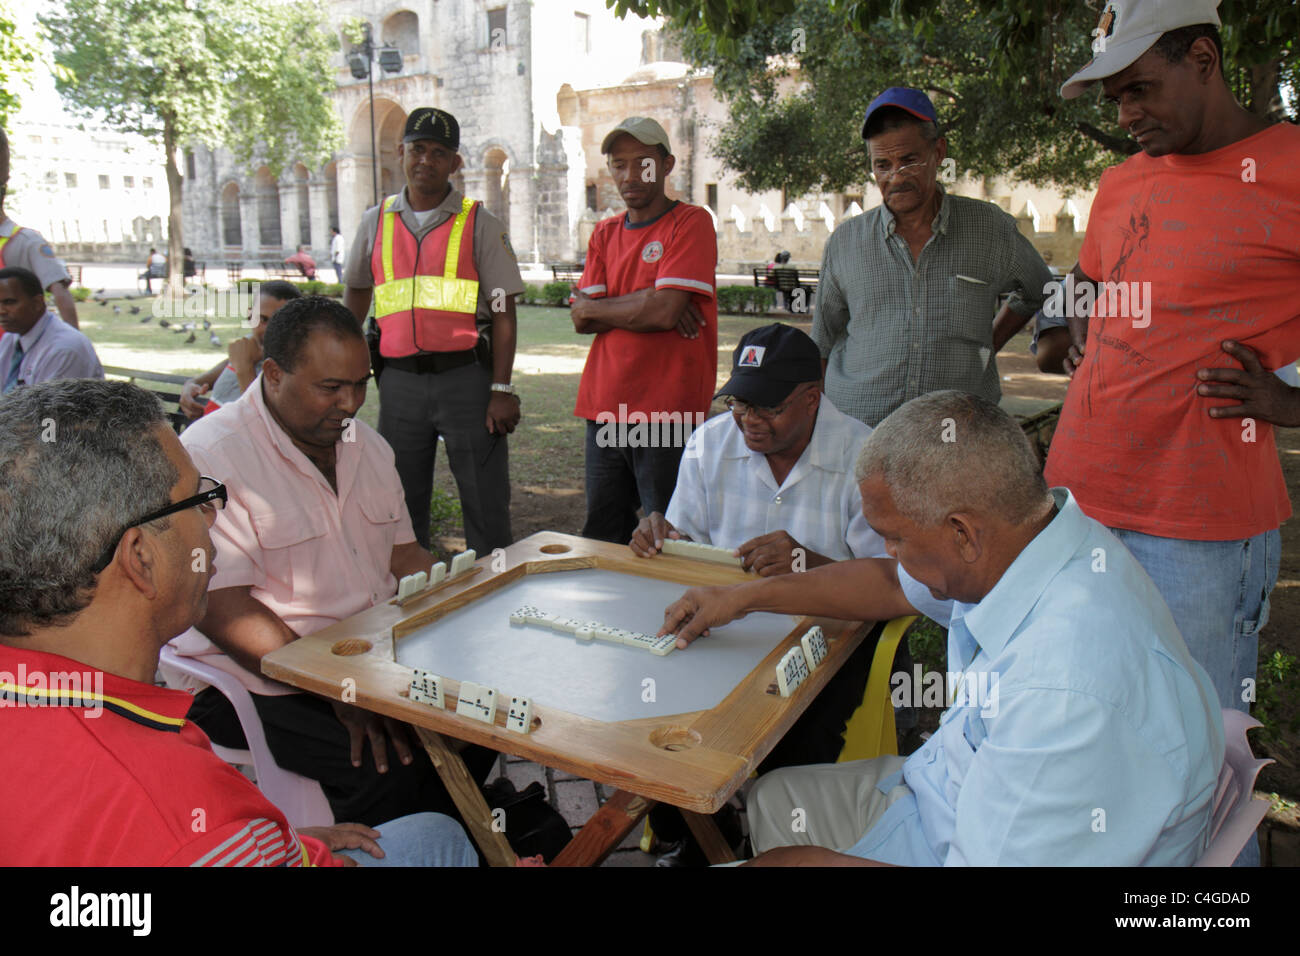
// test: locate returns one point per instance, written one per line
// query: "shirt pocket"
(379, 529)
(972, 306)
(291, 546)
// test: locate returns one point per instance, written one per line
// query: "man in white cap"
(647, 293)
(1201, 230)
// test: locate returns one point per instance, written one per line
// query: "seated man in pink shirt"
(315, 530)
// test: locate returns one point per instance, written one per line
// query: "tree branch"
(1116, 144)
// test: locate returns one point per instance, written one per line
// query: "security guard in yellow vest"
(27, 248)
(443, 278)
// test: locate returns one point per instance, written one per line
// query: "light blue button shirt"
(52, 349)
(1082, 732)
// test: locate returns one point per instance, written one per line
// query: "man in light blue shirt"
(1080, 731)
(38, 346)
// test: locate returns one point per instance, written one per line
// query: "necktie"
(11, 380)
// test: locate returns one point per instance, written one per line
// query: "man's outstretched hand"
(650, 534)
(699, 609)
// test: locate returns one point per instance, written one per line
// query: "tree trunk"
(175, 240)
(1265, 98)
(1117, 144)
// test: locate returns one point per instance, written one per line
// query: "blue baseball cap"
(904, 98)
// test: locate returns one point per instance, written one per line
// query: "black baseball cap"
(435, 124)
(770, 363)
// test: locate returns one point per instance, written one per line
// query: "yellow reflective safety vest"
(426, 290)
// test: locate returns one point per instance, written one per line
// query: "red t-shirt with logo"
(652, 371)
(106, 771)
(1217, 236)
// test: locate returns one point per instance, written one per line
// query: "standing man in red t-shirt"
(648, 295)
(1192, 254)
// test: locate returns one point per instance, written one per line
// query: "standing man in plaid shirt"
(909, 290)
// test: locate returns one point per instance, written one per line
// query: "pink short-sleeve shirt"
(312, 556)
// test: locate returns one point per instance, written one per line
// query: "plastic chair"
(299, 798)
(870, 732)
(1237, 813)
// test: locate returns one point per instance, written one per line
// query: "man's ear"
(137, 558)
(456, 166)
(941, 148)
(272, 374)
(668, 163)
(967, 535)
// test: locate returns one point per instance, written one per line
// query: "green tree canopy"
(16, 58)
(797, 75)
(253, 76)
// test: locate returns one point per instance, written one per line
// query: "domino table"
(685, 727)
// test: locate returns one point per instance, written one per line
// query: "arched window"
(268, 209)
(402, 30)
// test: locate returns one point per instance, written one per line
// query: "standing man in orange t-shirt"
(1192, 251)
(648, 295)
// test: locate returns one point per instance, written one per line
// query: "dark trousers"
(414, 410)
(306, 737)
(621, 479)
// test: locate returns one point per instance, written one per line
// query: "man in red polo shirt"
(104, 556)
(648, 295)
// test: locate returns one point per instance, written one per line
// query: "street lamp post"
(359, 61)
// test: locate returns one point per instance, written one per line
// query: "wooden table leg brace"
(469, 799)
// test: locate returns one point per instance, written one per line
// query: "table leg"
(605, 830)
(469, 799)
(709, 837)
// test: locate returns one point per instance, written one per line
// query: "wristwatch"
(507, 389)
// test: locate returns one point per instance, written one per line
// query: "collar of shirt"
(991, 623)
(157, 707)
(8, 227)
(820, 451)
(345, 453)
(451, 204)
(35, 332)
(939, 225)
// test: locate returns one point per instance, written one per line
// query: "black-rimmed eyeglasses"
(211, 498)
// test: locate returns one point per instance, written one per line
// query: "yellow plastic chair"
(870, 731)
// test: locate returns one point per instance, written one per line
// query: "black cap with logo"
(435, 124)
(770, 363)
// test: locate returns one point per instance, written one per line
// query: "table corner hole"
(675, 738)
(555, 549)
(350, 646)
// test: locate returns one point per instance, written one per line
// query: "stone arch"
(232, 233)
(268, 208)
(390, 120)
(496, 182)
(402, 30)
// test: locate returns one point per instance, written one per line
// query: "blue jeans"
(621, 477)
(421, 839)
(1218, 593)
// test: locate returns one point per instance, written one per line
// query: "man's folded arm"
(646, 310)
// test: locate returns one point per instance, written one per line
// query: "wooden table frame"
(694, 761)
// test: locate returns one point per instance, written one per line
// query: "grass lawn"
(546, 452)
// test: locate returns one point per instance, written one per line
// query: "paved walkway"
(577, 800)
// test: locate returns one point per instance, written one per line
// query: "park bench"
(75, 273)
(234, 269)
(570, 272)
(167, 387)
(786, 280)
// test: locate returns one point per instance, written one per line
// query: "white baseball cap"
(1128, 28)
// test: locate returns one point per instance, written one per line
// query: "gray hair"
(78, 464)
(951, 451)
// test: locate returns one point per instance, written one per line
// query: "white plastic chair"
(1236, 813)
(299, 798)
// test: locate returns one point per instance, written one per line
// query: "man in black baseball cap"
(446, 330)
(784, 456)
